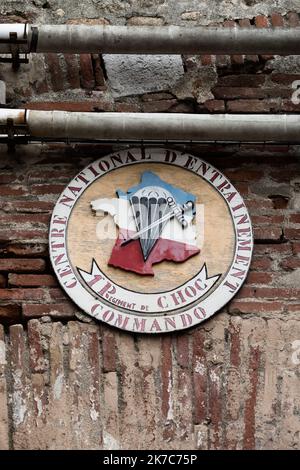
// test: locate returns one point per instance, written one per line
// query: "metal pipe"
(155, 126)
(17, 116)
(12, 34)
(8, 28)
(26, 139)
(152, 39)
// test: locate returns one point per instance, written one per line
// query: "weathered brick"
(273, 232)
(294, 218)
(241, 80)
(98, 72)
(182, 107)
(87, 78)
(248, 106)
(4, 422)
(10, 314)
(277, 250)
(38, 361)
(55, 294)
(237, 59)
(282, 174)
(261, 264)
(41, 87)
(249, 430)
(238, 92)
(264, 205)
(215, 106)
(235, 344)
(293, 308)
(206, 59)
(215, 372)
(79, 391)
(109, 350)
(166, 387)
(63, 173)
(26, 206)
(182, 350)
(239, 174)
(22, 265)
(3, 280)
(289, 264)
(243, 306)
(72, 70)
(128, 367)
(289, 107)
(127, 107)
(158, 106)
(24, 249)
(76, 106)
(215, 406)
(55, 71)
(261, 21)
(19, 219)
(58, 311)
(191, 15)
(88, 21)
(12, 190)
(145, 20)
(293, 19)
(59, 401)
(296, 248)
(277, 19)
(20, 234)
(222, 60)
(21, 389)
(93, 382)
(284, 78)
(199, 368)
(111, 418)
(149, 352)
(8, 177)
(268, 293)
(242, 187)
(32, 280)
(292, 233)
(47, 188)
(157, 96)
(269, 220)
(183, 413)
(22, 294)
(279, 201)
(259, 278)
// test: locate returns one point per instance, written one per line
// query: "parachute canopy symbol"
(149, 205)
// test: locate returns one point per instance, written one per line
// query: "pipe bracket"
(34, 39)
(14, 45)
(12, 133)
(11, 146)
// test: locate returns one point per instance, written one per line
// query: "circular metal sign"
(150, 240)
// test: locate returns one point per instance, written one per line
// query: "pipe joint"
(14, 41)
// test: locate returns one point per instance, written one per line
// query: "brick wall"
(232, 382)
